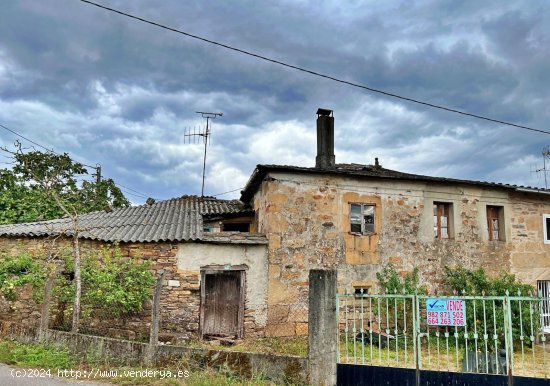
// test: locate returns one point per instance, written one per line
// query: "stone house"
(216, 268)
(357, 218)
(241, 267)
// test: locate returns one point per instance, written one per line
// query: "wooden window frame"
(363, 205)
(440, 208)
(495, 212)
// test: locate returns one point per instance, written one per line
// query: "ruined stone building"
(240, 268)
(358, 218)
(216, 268)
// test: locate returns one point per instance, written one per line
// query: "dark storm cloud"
(111, 90)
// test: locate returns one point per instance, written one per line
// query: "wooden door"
(222, 303)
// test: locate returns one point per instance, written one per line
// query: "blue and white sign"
(446, 312)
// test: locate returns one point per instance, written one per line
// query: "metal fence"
(474, 334)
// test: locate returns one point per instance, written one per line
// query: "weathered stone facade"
(180, 296)
(306, 219)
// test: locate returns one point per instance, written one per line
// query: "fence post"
(323, 327)
(155, 317)
(45, 312)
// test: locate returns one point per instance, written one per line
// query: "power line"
(28, 140)
(39, 145)
(315, 73)
(138, 194)
(230, 191)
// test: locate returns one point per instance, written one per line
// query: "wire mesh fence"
(476, 334)
(206, 323)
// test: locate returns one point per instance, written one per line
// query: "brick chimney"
(325, 140)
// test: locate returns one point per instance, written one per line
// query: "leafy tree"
(38, 182)
(55, 178)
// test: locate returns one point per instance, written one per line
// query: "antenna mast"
(545, 156)
(204, 134)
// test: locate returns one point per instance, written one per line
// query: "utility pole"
(204, 134)
(97, 173)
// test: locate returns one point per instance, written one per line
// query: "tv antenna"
(545, 157)
(543, 170)
(194, 137)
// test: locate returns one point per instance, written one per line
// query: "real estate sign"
(446, 312)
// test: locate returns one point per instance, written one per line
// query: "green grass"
(39, 355)
(54, 358)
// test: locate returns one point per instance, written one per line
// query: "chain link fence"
(161, 319)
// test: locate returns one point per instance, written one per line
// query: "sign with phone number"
(446, 312)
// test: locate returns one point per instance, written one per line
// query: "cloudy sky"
(115, 91)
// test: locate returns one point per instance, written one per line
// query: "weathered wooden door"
(222, 303)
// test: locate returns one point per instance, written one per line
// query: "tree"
(54, 178)
(26, 190)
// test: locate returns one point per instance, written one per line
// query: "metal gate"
(401, 339)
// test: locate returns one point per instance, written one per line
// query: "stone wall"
(281, 369)
(530, 256)
(180, 296)
(306, 219)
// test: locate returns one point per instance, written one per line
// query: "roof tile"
(178, 219)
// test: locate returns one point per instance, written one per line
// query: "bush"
(524, 314)
(476, 282)
(16, 271)
(391, 282)
(112, 285)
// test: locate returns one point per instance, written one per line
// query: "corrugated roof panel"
(176, 220)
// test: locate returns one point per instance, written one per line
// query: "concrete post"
(45, 313)
(323, 326)
(155, 319)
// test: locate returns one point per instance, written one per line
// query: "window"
(442, 220)
(543, 287)
(495, 222)
(546, 225)
(236, 227)
(361, 218)
(361, 291)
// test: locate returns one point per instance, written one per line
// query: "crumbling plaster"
(191, 257)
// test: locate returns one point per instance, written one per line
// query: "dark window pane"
(369, 228)
(548, 228)
(355, 228)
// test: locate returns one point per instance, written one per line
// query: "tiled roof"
(368, 171)
(178, 219)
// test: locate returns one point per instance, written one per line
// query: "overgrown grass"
(39, 355)
(54, 358)
(276, 345)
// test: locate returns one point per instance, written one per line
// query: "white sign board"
(446, 312)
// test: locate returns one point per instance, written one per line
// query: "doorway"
(222, 302)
